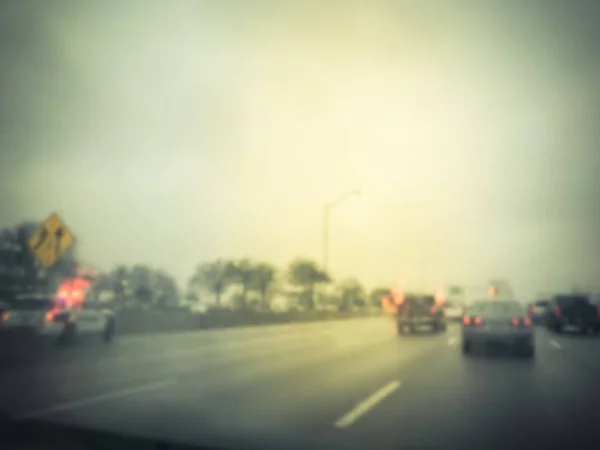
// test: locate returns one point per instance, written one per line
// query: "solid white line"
(97, 399)
(366, 405)
(554, 343)
(451, 341)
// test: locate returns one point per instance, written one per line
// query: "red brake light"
(515, 321)
(397, 296)
(527, 322)
(433, 310)
(50, 316)
(478, 320)
(466, 320)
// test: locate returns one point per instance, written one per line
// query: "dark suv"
(419, 310)
(574, 310)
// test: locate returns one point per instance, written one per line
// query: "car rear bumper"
(419, 321)
(499, 337)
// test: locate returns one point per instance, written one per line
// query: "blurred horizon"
(173, 135)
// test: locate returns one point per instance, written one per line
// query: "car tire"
(466, 347)
(108, 334)
(68, 335)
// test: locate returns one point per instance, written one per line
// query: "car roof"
(572, 297)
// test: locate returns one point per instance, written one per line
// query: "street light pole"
(326, 212)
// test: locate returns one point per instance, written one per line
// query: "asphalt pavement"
(347, 384)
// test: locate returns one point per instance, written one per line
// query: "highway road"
(347, 384)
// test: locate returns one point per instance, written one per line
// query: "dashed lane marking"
(555, 344)
(366, 405)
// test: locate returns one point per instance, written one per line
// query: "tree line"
(251, 285)
(303, 282)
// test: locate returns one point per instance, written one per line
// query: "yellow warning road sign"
(50, 241)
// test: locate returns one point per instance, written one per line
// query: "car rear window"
(496, 308)
(573, 300)
(424, 300)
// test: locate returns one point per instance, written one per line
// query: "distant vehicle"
(453, 312)
(54, 317)
(575, 310)
(414, 311)
(538, 311)
(498, 321)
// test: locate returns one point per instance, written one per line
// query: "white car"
(40, 315)
(453, 312)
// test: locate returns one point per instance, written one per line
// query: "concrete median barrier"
(141, 322)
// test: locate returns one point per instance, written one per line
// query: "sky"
(171, 133)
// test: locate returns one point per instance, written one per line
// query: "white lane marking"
(452, 341)
(366, 405)
(96, 399)
(555, 344)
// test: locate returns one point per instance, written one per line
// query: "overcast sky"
(179, 131)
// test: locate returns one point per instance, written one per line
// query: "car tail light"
(466, 320)
(433, 310)
(478, 320)
(526, 322)
(50, 316)
(557, 311)
(4, 317)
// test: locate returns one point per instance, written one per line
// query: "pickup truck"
(415, 311)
